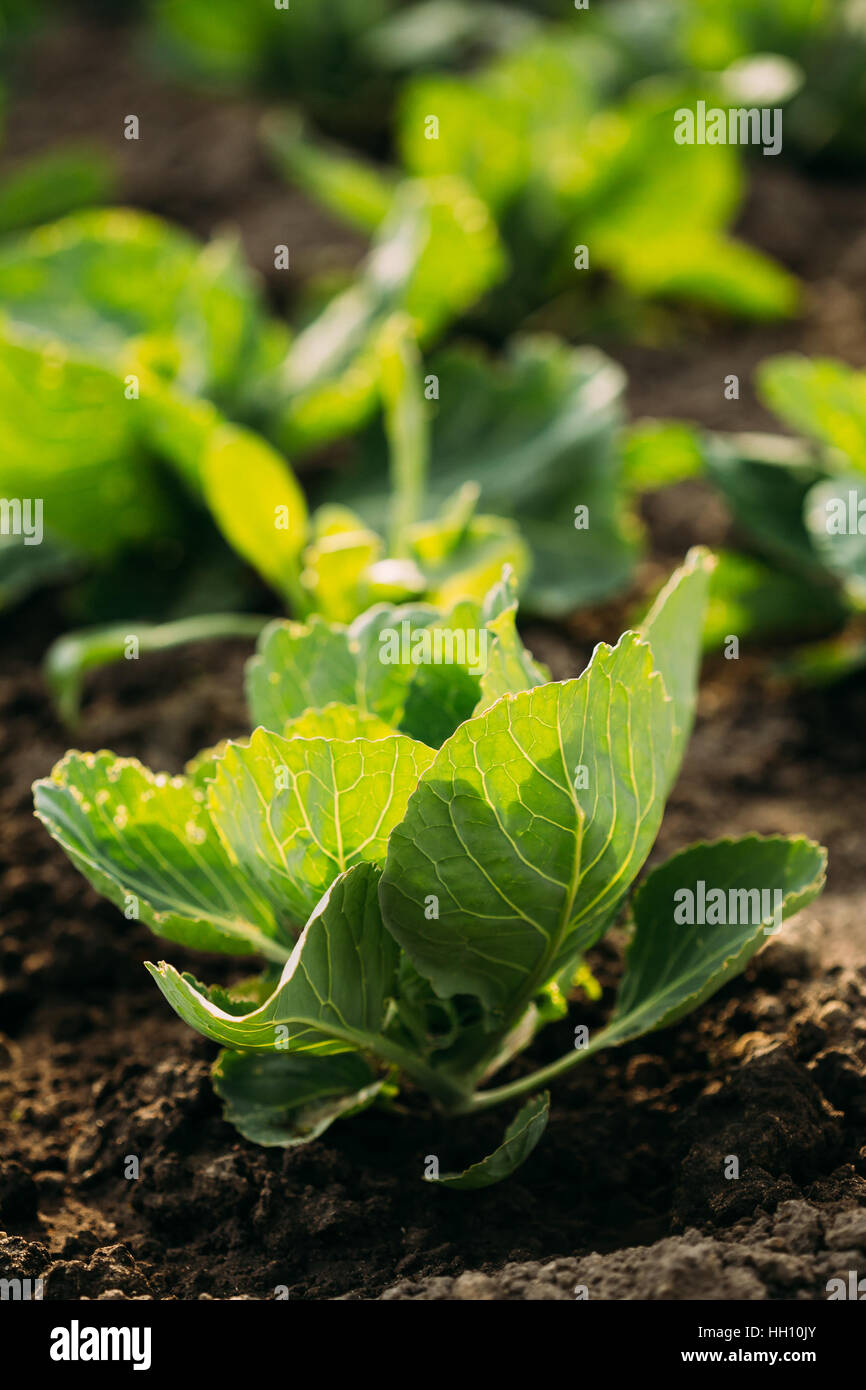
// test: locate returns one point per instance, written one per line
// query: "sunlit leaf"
(332, 993)
(521, 864)
(258, 505)
(296, 812)
(297, 667)
(68, 437)
(339, 722)
(659, 453)
(819, 397)
(148, 843)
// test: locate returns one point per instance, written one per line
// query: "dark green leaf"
(835, 516)
(521, 1137)
(24, 568)
(765, 480)
(538, 434)
(672, 967)
(301, 667)
(285, 1099)
(751, 600)
(53, 184)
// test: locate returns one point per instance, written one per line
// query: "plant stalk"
(450, 1095)
(485, 1100)
(406, 430)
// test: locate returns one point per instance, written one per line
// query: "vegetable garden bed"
(98, 1070)
(95, 1069)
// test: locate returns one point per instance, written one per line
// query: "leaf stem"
(449, 1093)
(406, 429)
(485, 1100)
(69, 659)
(297, 598)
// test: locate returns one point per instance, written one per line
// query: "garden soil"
(626, 1196)
(94, 1068)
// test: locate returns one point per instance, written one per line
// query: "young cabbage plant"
(579, 170)
(538, 429)
(330, 562)
(422, 850)
(800, 506)
(147, 397)
(129, 353)
(818, 501)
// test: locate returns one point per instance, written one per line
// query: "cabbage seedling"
(423, 852)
